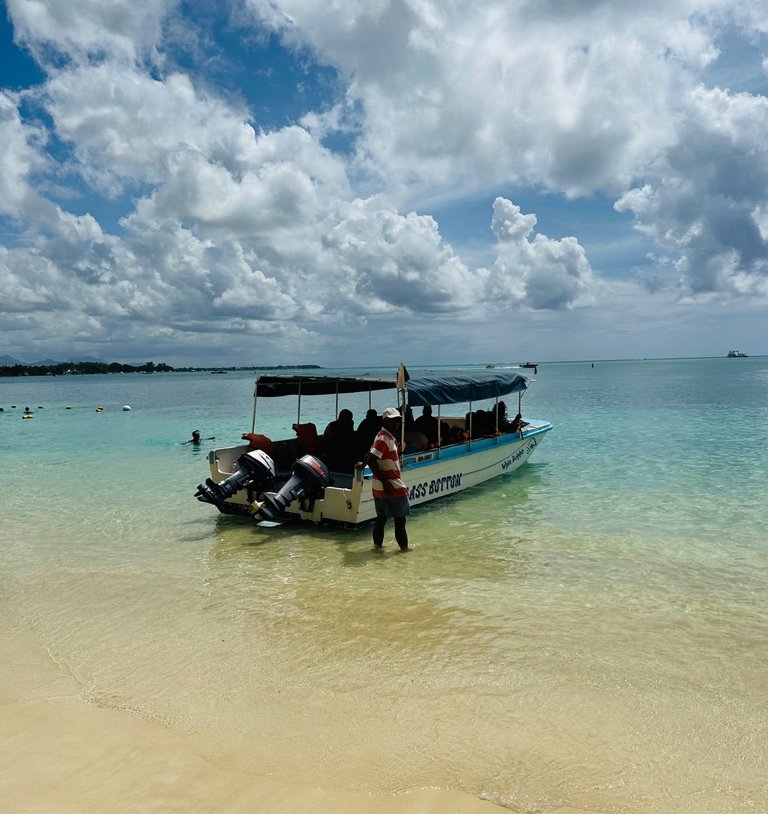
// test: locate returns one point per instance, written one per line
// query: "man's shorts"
(392, 506)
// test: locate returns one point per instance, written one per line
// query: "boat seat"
(307, 439)
(262, 442)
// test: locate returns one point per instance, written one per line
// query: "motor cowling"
(309, 476)
(256, 471)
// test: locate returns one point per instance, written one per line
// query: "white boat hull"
(429, 475)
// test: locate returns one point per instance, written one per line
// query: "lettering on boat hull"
(436, 486)
(519, 454)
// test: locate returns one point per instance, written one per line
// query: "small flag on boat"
(402, 377)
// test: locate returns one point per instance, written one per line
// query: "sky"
(364, 182)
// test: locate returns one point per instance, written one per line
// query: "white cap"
(391, 412)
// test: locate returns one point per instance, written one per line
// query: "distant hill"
(8, 361)
(9, 366)
(79, 368)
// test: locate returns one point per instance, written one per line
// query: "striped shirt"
(385, 449)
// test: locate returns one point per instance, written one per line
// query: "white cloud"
(89, 28)
(127, 127)
(539, 273)
(704, 199)
(576, 99)
(385, 261)
(21, 156)
(472, 92)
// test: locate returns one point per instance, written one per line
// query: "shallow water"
(590, 630)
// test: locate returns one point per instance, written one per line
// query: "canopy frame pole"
(298, 406)
(469, 441)
(402, 421)
(439, 433)
(255, 399)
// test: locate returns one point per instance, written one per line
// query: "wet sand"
(60, 753)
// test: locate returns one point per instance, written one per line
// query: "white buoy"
(126, 408)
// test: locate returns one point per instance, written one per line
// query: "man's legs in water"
(378, 531)
(401, 535)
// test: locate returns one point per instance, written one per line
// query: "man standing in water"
(390, 494)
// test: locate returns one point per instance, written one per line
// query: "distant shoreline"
(93, 368)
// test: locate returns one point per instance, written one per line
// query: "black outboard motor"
(256, 471)
(309, 476)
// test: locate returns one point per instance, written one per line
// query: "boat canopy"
(276, 385)
(427, 390)
(468, 387)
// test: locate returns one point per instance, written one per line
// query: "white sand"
(60, 754)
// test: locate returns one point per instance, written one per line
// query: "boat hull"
(429, 475)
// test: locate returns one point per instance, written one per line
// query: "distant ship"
(737, 354)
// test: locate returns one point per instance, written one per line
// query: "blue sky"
(226, 182)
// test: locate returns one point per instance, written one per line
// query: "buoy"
(126, 408)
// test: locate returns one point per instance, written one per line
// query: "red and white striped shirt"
(385, 449)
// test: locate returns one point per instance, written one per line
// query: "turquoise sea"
(589, 631)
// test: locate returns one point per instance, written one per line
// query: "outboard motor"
(309, 476)
(256, 470)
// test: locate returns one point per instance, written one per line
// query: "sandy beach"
(59, 753)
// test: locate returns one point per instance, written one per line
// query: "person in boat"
(390, 494)
(517, 424)
(339, 442)
(457, 435)
(195, 439)
(427, 424)
(366, 431)
(477, 423)
(500, 418)
(414, 440)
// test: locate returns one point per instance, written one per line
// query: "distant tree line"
(249, 367)
(78, 368)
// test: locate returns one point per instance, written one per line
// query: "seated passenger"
(415, 441)
(366, 432)
(499, 413)
(341, 442)
(458, 435)
(426, 423)
(481, 424)
(517, 424)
